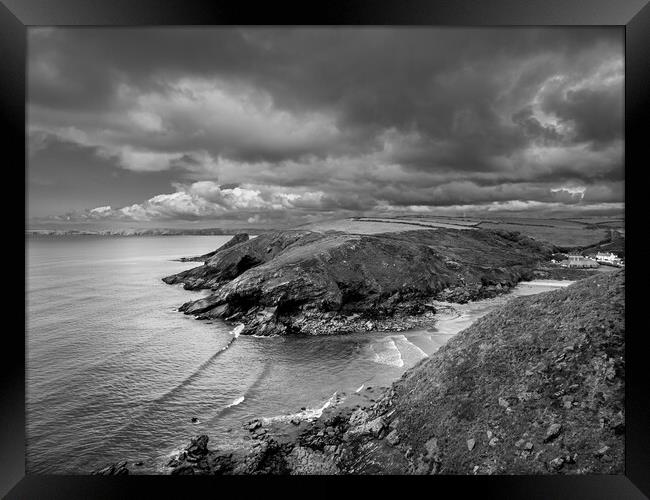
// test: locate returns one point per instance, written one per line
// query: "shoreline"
(369, 437)
(285, 426)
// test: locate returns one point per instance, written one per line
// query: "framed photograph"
(369, 241)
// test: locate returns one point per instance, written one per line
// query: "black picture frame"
(633, 15)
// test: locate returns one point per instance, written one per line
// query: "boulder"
(392, 438)
(198, 445)
(552, 432)
(115, 469)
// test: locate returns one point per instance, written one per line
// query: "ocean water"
(115, 372)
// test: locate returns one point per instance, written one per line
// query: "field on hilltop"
(563, 232)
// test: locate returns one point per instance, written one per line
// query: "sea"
(114, 372)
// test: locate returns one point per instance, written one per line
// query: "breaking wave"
(237, 330)
(306, 414)
(237, 401)
(391, 355)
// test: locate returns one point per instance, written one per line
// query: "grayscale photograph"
(325, 250)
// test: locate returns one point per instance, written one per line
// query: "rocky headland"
(534, 387)
(311, 282)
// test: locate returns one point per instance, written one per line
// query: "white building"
(608, 258)
(580, 261)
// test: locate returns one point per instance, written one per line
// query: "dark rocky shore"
(318, 283)
(534, 387)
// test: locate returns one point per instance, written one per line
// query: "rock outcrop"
(116, 469)
(235, 240)
(321, 283)
(535, 387)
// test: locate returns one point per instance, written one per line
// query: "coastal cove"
(115, 372)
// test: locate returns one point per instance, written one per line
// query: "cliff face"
(318, 283)
(535, 387)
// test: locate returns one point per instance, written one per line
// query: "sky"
(278, 127)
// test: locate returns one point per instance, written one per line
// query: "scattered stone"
(183, 470)
(393, 438)
(552, 432)
(601, 452)
(557, 463)
(194, 420)
(617, 424)
(471, 443)
(375, 426)
(528, 446)
(295, 421)
(116, 469)
(527, 396)
(358, 417)
(503, 402)
(493, 441)
(198, 445)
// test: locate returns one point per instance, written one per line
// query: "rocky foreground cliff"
(312, 282)
(534, 387)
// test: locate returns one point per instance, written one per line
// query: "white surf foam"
(237, 330)
(307, 414)
(387, 353)
(407, 344)
(237, 401)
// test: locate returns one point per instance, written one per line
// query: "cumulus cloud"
(206, 200)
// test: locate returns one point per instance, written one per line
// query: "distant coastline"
(143, 232)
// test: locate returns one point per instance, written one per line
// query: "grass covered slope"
(313, 282)
(534, 387)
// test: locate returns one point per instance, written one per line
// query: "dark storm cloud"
(332, 119)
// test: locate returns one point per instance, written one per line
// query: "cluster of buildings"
(609, 259)
(590, 261)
